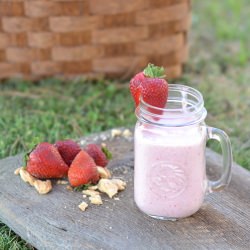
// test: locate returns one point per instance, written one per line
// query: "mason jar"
(170, 179)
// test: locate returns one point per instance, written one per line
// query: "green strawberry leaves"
(31, 145)
(154, 71)
(82, 187)
(107, 153)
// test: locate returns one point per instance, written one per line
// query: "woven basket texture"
(111, 38)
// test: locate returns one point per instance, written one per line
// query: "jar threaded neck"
(185, 106)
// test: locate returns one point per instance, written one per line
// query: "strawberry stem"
(25, 160)
(82, 187)
(107, 153)
(154, 71)
(31, 146)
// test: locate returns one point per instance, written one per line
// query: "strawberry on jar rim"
(151, 86)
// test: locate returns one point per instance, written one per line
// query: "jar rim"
(179, 87)
(190, 111)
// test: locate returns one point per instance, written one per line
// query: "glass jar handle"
(223, 139)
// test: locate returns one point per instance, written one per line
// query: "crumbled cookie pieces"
(43, 187)
(104, 172)
(83, 205)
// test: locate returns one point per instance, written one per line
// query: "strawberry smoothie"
(170, 174)
(170, 169)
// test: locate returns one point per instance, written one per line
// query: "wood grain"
(54, 221)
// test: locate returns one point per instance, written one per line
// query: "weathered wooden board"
(54, 221)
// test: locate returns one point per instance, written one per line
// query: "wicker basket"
(114, 38)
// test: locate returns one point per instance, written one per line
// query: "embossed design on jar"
(167, 180)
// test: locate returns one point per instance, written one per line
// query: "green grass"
(10, 241)
(53, 109)
(219, 67)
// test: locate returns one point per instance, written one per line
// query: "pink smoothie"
(170, 175)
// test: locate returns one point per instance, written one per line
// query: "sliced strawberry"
(135, 87)
(150, 86)
(98, 154)
(68, 150)
(46, 162)
(83, 170)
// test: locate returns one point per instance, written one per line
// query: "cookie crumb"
(17, 171)
(126, 133)
(62, 182)
(83, 206)
(43, 187)
(108, 187)
(119, 183)
(27, 177)
(92, 187)
(69, 188)
(115, 132)
(103, 172)
(96, 200)
(90, 192)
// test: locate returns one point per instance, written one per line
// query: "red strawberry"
(82, 170)
(154, 91)
(68, 150)
(99, 154)
(46, 162)
(151, 86)
(135, 87)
